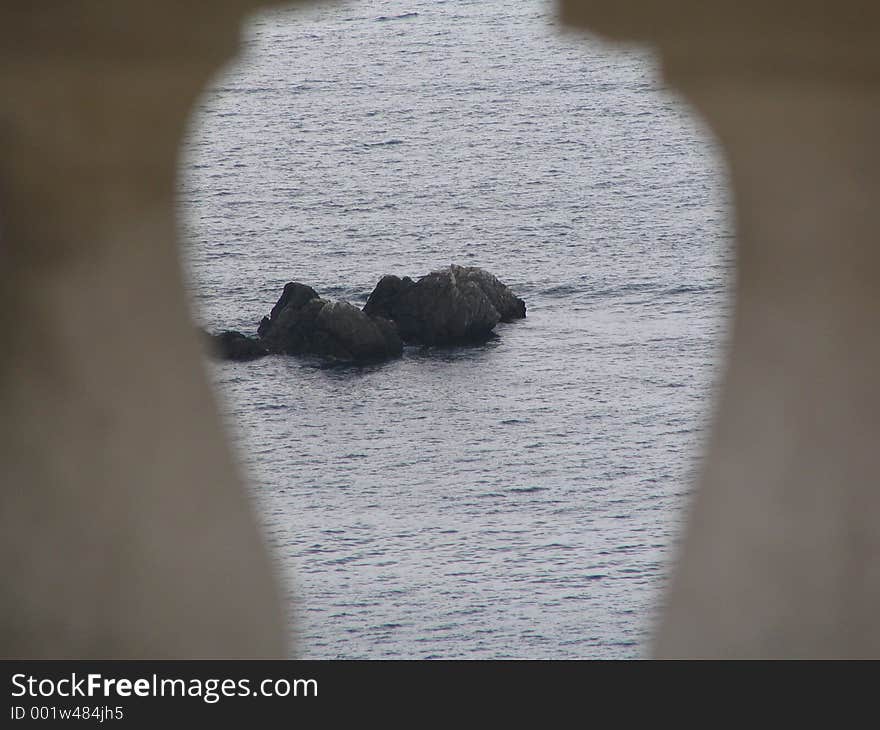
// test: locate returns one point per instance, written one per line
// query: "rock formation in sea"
(452, 305)
(231, 345)
(449, 306)
(302, 323)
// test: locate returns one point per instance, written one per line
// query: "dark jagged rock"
(506, 303)
(301, 323)
(232, 345)
(456, 304)
(295, 295)
(385, 298)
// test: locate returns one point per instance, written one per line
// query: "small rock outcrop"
(448, 306)
(231, 345)
(455, 305)
(302, 323)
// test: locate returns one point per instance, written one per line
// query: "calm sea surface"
(518, 499)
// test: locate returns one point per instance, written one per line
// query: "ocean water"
(516, 499)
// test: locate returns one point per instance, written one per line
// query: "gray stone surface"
(781, 555)
(235, 346)
(302, 323)
(452, 305)
(125, 531)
